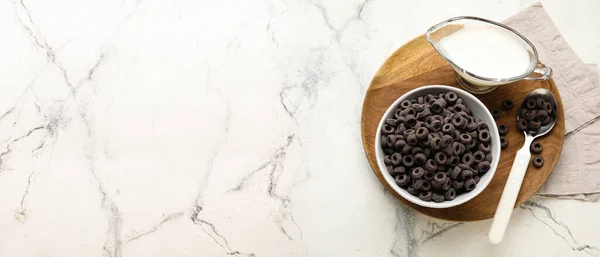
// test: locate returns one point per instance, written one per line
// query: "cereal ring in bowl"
(474, 134)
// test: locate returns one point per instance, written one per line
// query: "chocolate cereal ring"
(548, 108)
(465, 138)
(540, 103)
(402, 180)
(436, 125)
(470, 184)
(428, 175)
(427, 152)
(399, 144)
(542, 114)
(530, 114)
(420, 158)
(455, 172)
(483, 167)
(485, 147)
(387, 159)
(466, 174)
(440, 158)
(446, 140)
(429, 98)
(387, 129)
(435, 143)
(440, 178)
(536, 147)
(502, 129)
(531, 103)
(471, 126)
(538, 161)
(418, 107)
(459, 122)
(418, 184)
(408, 160)
(450, 194)
(412, 139)
(478, 156)
(473, 134)
(450, 159)
(425, 196)
(456, 135)
(496, 114)
(410, 121)
(451, 97)
(458, 184)
(459, 108)
(482, 126)
(448, 128)
(424, 114)
(426, 186)
(396, 159)
(437, 197)
(422, 133)
(533, 125)
(405, 104)
(545, 121)
(435, 186)
(508, 104)
(503, 142)
(447, 184)
(484, 136)
(468, 158)
(454, 161)
(400, 129)
(416, 150)
(447, 119)
(430, 165)
(417, 173)
(458, 148)
(436, 107)
(399, 170)
(474, 143)
(411, 190)
(408, 132)
(392, 122)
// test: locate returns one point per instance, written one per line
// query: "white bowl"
(478, 109)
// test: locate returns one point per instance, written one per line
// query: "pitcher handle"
(541, 72)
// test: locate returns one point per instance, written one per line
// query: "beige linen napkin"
(577, 174)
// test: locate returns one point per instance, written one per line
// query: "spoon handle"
(510, 194)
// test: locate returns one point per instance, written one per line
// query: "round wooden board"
(417, 64)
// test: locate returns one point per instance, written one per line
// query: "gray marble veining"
(225, 128)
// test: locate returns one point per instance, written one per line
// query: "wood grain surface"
(417, 64)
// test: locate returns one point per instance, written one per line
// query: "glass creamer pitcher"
(486, 54)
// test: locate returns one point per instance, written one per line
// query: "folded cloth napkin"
(577, 174)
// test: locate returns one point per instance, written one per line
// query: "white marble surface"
(229, 128)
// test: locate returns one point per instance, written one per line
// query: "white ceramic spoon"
(517, 173)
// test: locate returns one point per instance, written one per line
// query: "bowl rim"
(446, 204)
